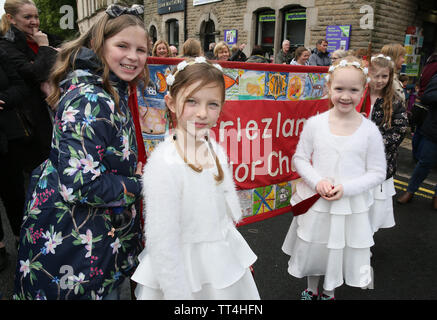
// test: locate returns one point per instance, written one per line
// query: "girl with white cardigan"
(340, 156)
(193, 250)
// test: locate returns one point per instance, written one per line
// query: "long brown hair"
(94, 39)
(394, 51)
(388, 92)
(204, 73)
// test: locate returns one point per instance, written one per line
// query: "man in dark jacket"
(428, 156)
(284, 56)
(320, 56)
(258, 55)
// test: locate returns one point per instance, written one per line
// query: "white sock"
(313, 283)
(329, 293)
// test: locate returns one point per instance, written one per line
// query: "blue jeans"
(427, 161)
(417, 144)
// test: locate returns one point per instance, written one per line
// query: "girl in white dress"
(340, 155)
(389, 114)
(193, 250)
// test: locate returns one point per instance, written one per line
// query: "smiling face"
(161, 50)
(346, 88)
(26, 19)
(196, 112)
(223, 54)
(304, 57)
(126, 52)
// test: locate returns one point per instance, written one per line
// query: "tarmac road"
(404, 257)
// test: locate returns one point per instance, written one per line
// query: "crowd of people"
(70, 135)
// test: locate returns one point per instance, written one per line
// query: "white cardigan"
(358, 165)
(181, 206)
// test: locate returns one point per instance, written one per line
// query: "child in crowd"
(340, 156)
(389, 114)
(193, 250)
(81, 235)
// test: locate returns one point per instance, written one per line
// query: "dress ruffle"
(333, 239)
(381, 213)
(216, 264)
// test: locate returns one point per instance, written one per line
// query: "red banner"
(266, 108)
(261, 136)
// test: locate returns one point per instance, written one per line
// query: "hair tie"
(115, 10)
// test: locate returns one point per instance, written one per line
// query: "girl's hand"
(335, 193)
(139, 170)
(323, 187)
(1, 102)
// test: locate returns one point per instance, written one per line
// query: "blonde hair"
(349, 61)
(206, 73)
(192, 48)
(155, 48)
(12, 7)
(394, 51)
(340, 53)
(219, 47)
(388, 92)
(94, 39)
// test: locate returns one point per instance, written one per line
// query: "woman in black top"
(32, 54)
(12, 149)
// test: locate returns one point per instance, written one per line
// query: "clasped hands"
(328, 191)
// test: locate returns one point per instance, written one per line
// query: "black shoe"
(3, 259)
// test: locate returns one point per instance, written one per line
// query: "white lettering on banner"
(252, 125)
(283, 164)
(257, 157)
(267, 128)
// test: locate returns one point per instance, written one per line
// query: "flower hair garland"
(182, 65)
(343, 63)
(381, 56)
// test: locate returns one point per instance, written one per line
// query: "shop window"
(153, 34)
(294, 27)
(265, 30)
(173, 33)
(207, 34)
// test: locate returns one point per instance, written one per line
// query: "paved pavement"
(404, 257)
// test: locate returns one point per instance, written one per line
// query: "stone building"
(267, 22)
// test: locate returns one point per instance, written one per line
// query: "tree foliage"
(50, 18)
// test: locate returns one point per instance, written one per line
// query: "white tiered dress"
(193, 249)
(217, 270)
(381, 213)
(334, 237)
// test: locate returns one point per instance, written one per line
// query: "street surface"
(404, 257)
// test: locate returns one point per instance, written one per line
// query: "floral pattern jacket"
(69, 245)
(392, 136)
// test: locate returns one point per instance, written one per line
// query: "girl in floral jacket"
(81, 236)
(389, 114)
